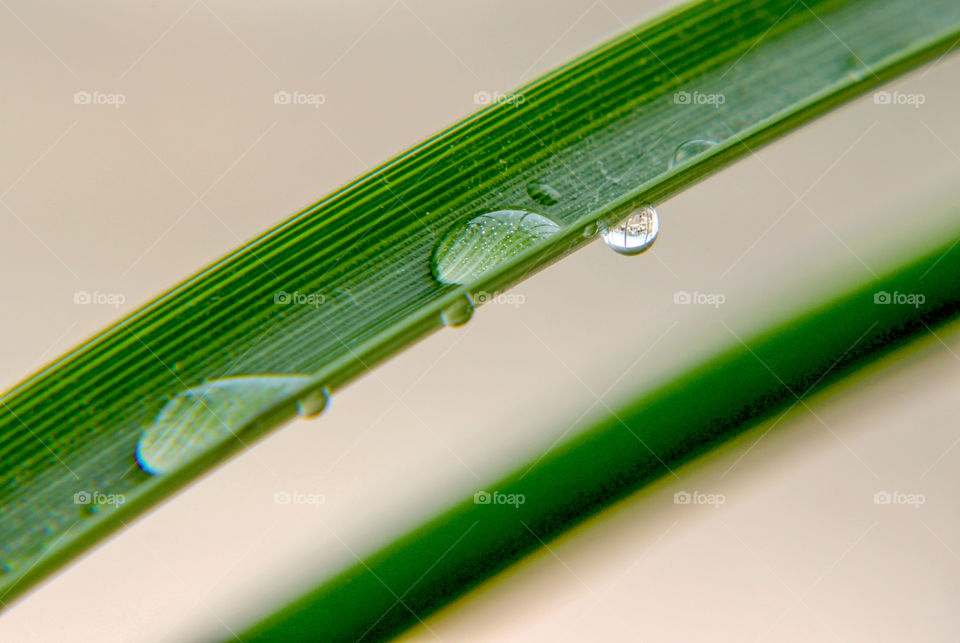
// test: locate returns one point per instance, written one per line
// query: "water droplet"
(634, 234)
(200, 417)
(607, 175)
(590, 230)
(313, 404)
(486, 241)
(543, 193)
(857, 69)
(349, 294)
(5, 568)
(687, 150)
(459, 312)
(857, 74)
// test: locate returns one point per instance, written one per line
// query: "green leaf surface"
(349, 281)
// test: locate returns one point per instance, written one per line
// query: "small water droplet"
(349, 293)
(606, 174)
(857, 69)
(543, 193)
(200, 417)
(857, 74)
(687, 150)
(459, 312)
(314, 403)
(486, 241)
(5, 568)
(634, 234)
(590, 230)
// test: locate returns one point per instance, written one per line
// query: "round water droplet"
(543, 193)
(858, 73)
(486, 241)
(634, 234)
(687, 150)
(198, 418)
(459, 312)
(857, 69)
(314, 403)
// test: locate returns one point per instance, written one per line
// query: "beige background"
(198, 159)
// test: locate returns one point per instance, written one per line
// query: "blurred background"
(143, 141)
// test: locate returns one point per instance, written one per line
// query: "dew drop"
(857, 70)
(687, 150)
(634, 234)
(200, 417)
(459, 312)
(486, 241)
(314, 403)
(858, 73)
(543, 193)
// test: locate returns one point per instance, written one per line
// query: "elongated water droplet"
(314, 403)
(459, 312)
(687, 150)
(634, 234)
(543, 193)
(200, 417)
(486, 241)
